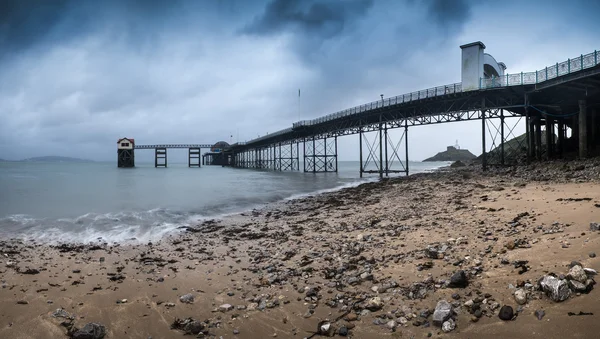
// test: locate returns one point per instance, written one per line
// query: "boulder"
(90, 331)
(443, 311)
(556, 289)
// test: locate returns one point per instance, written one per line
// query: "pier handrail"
(528, 78)
(572, 65)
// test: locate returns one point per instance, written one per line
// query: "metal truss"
(287, 157)
(499, 126)
(383, 154)
(320, 155)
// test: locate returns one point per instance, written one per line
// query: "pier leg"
(527, 128)
(160, 154)
(194, 157)
(313, 155)
(380, 149)
(561, 138)
(387, 167)
(325, 163)
(483, 147)
(406, 145)
(549, 137)
(538, 138)
(502, 137)
(336, 154)
(360, 142)
(583, 140)
(594, 134)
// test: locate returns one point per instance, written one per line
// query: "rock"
(61, 313)
(225, 307)
(90, 331)
(506, 313)
(343, 331)
(188, 325)
(457, 163)
(391, 324)
(443, 311)
(521, 296)
(236, 331)
(590, 271)
(187, 298)
(577, 273)
(556, 289)
(459, 279)
(576, 286)
(448, 325)
(324, 328)
(592, 254)
(594, 226)
(351, 317)
(539, 314)
(374, 304)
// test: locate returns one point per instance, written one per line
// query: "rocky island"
(453, 154)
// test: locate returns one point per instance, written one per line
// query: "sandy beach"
(371, 261)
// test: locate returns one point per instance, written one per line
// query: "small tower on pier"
(125, 152)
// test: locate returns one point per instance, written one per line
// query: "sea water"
(84, 202)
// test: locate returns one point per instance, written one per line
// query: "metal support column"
(561, 138)
(380, 149)
(406, 144)
(502, 137)
(360, 134)
(538, 138)
(160, 153)
(387, 168)
(313, 154)
(336, 154)
(549, 137)
(583, 140)
(324, 154)
(484, 153)
(527, 127)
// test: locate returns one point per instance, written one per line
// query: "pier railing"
(531, 78)
(524, 78)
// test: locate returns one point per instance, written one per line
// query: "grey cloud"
(449, 14)
(324, 19)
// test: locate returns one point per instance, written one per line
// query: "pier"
(559, 107)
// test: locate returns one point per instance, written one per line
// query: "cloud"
(324, 19)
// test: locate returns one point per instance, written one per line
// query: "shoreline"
(153, 235)
(359, 258)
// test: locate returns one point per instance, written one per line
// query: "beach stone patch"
(188, 325)
(89, 331)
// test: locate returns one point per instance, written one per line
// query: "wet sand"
(281, 270)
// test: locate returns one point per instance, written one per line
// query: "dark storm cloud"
(26, 24)
(321, 18)
(449, 14)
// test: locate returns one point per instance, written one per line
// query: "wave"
(153, 224)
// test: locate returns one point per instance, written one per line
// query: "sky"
(76, 75)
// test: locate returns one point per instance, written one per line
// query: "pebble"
(187, 298)
(521, 296)
(506, 313)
